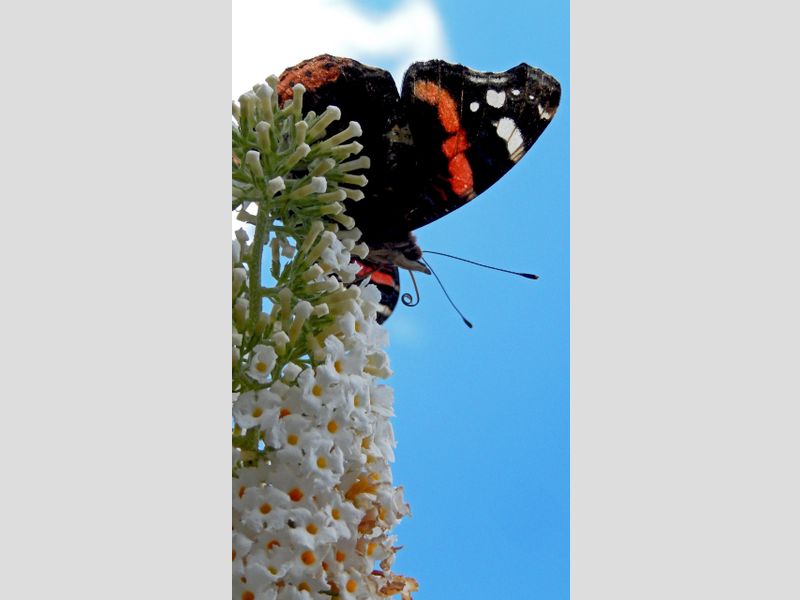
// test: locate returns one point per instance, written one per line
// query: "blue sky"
(482, 419)
(483, 415)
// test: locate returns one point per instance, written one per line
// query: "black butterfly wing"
(369, 96)
(469, 128)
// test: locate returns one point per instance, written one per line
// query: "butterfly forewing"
(469, 128)
(369, 96)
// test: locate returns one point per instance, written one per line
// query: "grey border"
(115, 251)
(684, 301)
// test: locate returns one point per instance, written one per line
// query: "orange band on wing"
(381, 277)
(312, 73)
(429, 92)
(461, 176)
(454, 146)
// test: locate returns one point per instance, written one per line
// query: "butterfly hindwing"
(469, 128)
(387, 279)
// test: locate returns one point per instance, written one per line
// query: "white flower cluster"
(313, 500)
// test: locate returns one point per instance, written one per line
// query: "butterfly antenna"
(526, 275)
(460, 314)
(407, 298)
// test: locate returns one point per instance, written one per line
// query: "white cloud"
(270, 35)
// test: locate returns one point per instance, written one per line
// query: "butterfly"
(446, 137)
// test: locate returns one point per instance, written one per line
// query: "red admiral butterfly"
(446, 138)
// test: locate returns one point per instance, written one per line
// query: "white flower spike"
(313, 502)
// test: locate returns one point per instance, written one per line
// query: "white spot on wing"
(495, 98)
(505, 126)
(515, 147)
(507, 130)
(543, 113)
(474, 106)
(486, 78)
(515, 92)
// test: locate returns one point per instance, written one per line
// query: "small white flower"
(273, 552)
(324, 462)
(262, 507)
(255, 409)
(290, 592)
(370, 294)
(294, 434)
(291, 371)
(261, 363)
(312, 531)
(383, 400)
(290, 479)
(259, 579)
(345, 517)
(384, 439)
(347, 324)
(358, 408)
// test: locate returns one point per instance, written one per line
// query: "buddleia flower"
(313, 500)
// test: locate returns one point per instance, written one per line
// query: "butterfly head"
(404, 254)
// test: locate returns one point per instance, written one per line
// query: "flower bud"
(239, 277)
(331, 114)
(354, 195)
(264, 95)
(247, 103)
(351, 131)
(262, 133)
(299, 153)
(360, 250)
(253, 161)
(362, 162)
(313, 272)
(300, 131)
(321, 166)
(275, 185)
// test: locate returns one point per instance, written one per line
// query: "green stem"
(257, 251)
